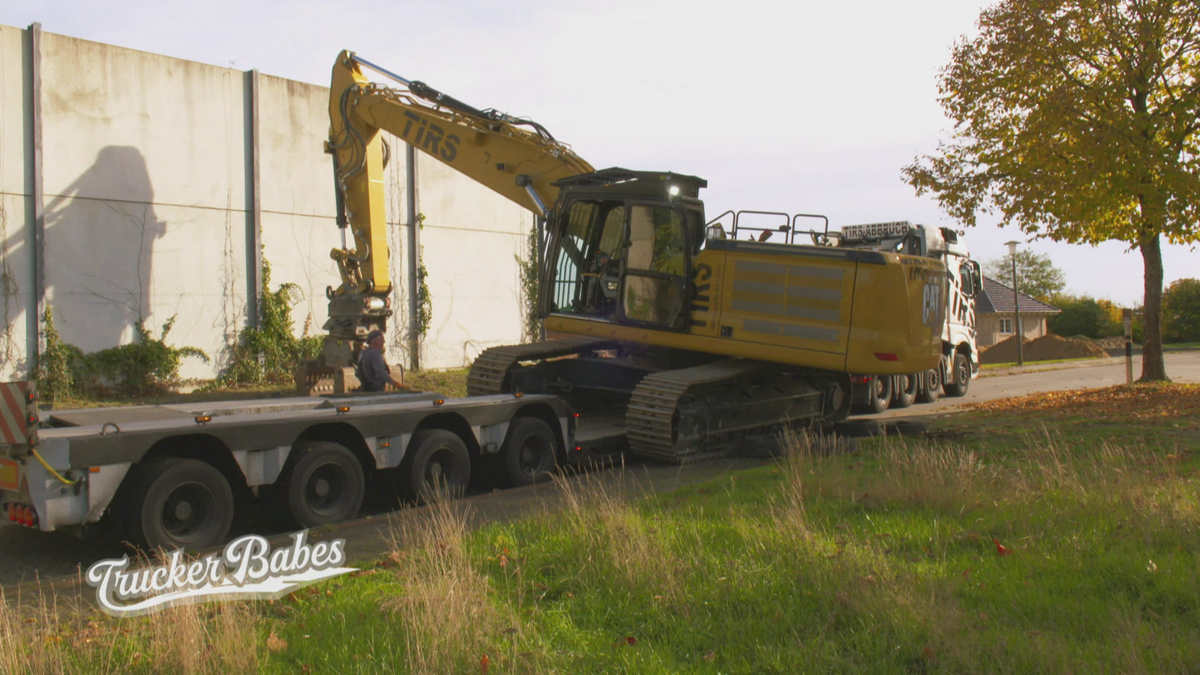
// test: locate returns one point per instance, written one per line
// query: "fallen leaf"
(710, 655)
(1000, 548)
(483, 665)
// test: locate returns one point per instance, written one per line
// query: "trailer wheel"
(437, 461)
(324, 485)
(529, 452)
(179, 503)
(931, 386)
(880, 394)
(905, 387)
(962, 376)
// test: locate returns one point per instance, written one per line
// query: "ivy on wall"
(270, 353)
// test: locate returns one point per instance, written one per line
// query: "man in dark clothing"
(373, 371)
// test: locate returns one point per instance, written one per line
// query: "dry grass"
(449, 621)
(616, 538)
(60, 635)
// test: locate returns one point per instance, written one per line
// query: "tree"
(1083, 315)
(1077, 120)
(1181, 311)
(1037, 277)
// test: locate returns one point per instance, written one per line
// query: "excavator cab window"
(625, 262)
(588, 266)
(654, 291)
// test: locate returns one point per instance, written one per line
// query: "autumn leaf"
(1001, 548)
(483, 664)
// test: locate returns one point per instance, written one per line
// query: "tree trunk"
(1153, 368)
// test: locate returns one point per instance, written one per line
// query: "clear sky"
(783, 106)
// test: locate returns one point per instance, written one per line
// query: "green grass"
(1182, 347)
(452, 383)
(878, 561)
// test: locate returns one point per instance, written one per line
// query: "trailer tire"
(529, 452)
(905, 390)
(325, 484)
(879, 397)
(179, 503)
(962, 376)
(437, 460)
(931, 386)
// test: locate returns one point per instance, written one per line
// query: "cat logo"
(931, 307)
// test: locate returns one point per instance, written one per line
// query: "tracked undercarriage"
(671, 406)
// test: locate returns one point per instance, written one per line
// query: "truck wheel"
(437, 461)
(324, 485)
(529, 452)
(905, 387)
(931, 386)
(179, 503)
(880, 394)
(962, 376)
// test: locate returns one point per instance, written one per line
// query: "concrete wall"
(18, 339)
(149, 202)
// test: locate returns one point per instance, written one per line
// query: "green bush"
(148, 366)
(57, 364)
(270, 353)
(1181, 311)
(1086, 316)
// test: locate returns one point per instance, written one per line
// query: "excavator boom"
(515, 157)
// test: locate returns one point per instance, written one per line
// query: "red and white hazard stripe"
(15, 409)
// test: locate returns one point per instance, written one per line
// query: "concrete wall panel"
(297, 247)
(148, 185)
(14, 101)
(187, 121)
(16, 287)
(18, 331)
(293, 122)
(470, 241)
(110, 263)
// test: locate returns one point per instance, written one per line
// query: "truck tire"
(905, 390)
(323, 484)
(179, 503)
(879, 395)
(529, 452)
(931, 386)
(437, 461)
(962, 376)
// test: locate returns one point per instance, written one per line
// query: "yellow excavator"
(680, 334)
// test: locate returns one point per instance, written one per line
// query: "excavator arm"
(515, 157)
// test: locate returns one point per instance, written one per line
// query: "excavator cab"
(620, 248)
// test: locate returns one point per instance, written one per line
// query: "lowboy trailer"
(170, 476)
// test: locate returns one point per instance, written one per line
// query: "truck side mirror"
(972, 281)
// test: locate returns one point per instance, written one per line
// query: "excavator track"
(650, 419)
(492, 366)
(692, 414)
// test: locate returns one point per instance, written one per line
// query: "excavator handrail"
(819, 238)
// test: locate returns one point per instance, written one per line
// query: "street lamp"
(1012, 253)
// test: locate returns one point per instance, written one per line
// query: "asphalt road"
(57, 560)
(1181, 367)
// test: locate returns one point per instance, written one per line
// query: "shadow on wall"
(100, 235)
